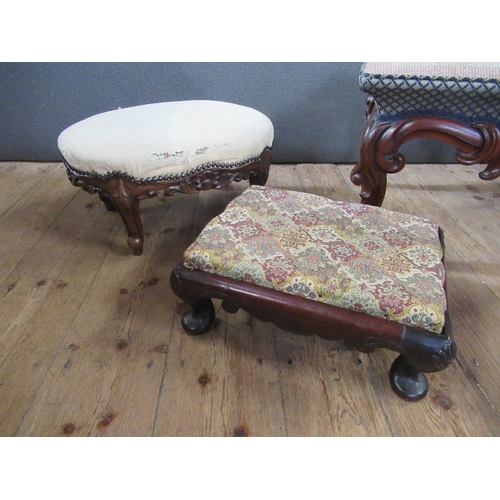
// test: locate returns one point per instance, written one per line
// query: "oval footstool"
(130, 154)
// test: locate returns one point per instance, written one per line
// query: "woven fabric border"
(465, 99)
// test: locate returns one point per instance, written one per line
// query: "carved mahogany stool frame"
(421, 351)
(478, 143)
(122, 193)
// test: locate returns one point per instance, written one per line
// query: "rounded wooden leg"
(408, 382)
(200, 318)
(136, 243)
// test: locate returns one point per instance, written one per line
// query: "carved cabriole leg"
(123, 193)
(422, 351)
(120, 195)
(379, 151)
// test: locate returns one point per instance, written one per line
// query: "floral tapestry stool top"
(377, 275)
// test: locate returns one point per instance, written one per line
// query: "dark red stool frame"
(421, 351)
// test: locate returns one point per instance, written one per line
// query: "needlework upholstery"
(468, 92)
(354, 256)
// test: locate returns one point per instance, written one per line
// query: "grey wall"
(317, 108)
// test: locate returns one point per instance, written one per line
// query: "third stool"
(458, 103)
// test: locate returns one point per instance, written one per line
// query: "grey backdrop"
(317, 108)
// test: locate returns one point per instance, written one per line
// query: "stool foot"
(136, 243)
(200, 318)
(492, 171)
(408, 382)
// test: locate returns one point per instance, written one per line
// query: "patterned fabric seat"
(354, 256)
(458, 103)
(341, 271)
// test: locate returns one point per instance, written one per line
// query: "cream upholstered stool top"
(157, 149)
(455, 102)
(340, 270)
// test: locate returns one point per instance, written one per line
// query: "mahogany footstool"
(130, 154)
(342, 271)
(454, 102)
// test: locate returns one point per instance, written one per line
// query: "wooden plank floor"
(91, 342)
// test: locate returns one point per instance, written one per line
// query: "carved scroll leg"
(373, 183)
(357, 174)
(367, 173)
(492, 171)
(488, 152)
(377, 195)
(475, 144)
(373, 193)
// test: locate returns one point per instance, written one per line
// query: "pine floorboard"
(91, 342)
